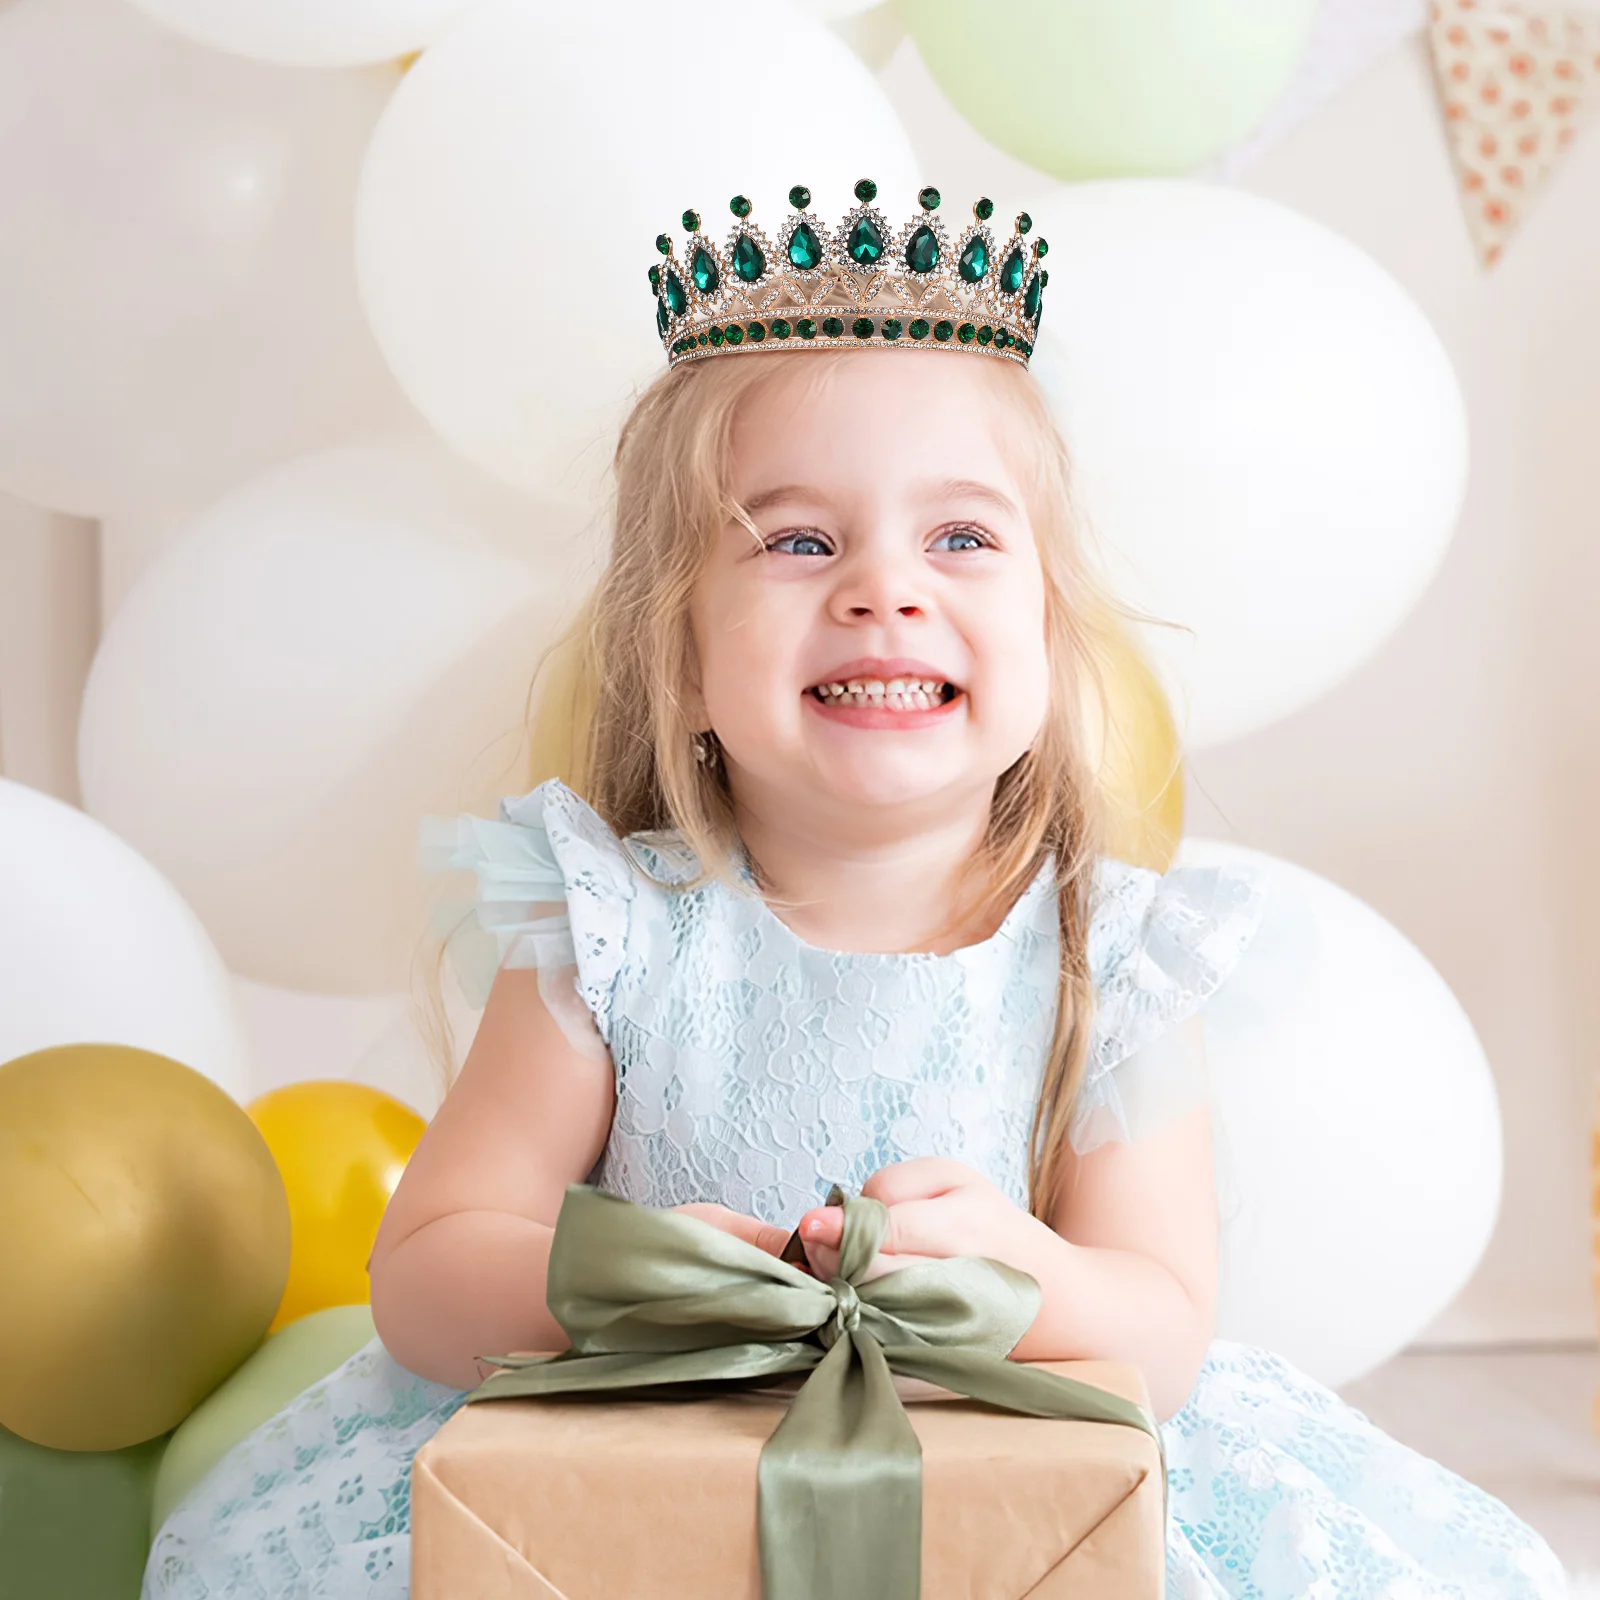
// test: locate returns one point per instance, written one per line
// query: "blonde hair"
(635, 761)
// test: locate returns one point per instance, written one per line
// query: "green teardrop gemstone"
(661, 318)
(1011, 272)
(922, 250)
(805, 248)
(677, 295)
(748, 261)
(1032, 299)
(865, 243)
(974, 260)
(704, 269)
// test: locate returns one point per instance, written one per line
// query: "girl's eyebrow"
(972, 489)
(784, 492)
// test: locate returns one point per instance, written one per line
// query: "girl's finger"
(823, 1225)
(921, 1179)
(927, 1228)
(762, 1235)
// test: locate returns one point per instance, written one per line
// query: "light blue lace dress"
(755, 1070)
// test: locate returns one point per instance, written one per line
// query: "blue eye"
(978, 540)
(789, 543)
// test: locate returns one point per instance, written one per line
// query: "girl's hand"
(761, 1234)
(937, 1209)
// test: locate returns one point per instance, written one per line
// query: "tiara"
(862, 284)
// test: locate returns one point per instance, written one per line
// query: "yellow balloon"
(1141, 765)
(144, 1243)
(340, 1148)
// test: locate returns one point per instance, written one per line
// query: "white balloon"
(177, 288)
(874, 34)
(1268, 435)
(331, 652)
(835, 10)
(1357, 1130)
(506, 216)
(309, 33)
(96, 947)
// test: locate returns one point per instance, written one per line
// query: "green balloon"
(1111, 88)
(74, 1525)
(289, 1362)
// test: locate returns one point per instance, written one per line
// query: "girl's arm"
(1127, 1268)
(458, 1269)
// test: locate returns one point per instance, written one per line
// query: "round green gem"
(1001, 338)
(715, 335)
(806, 328)
(799, 197)
(663, 244)
(691, 222)
(922, 250)
(703, 339)
(734, 333)
(891, 328)
(985, 334)
(928, 198)
(862, 327)
(919, 328)
(655, 279)
(942, 331)
(833, 327)
(966, 333)
(866, 191)
(739, 206)
(1041, 247)
(1024, 222)
(755, 332)
(780, 328)
(984, 209)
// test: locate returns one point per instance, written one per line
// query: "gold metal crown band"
(862, 284)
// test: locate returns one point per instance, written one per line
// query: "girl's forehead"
(878, 416)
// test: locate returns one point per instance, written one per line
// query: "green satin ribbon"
(652, 1298)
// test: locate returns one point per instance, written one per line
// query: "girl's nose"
(879, 592)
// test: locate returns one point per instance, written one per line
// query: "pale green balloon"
(288, 1363)
(1111, 88)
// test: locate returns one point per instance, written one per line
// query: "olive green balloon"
(74, 1525)
(288, 1364)
(1111, 88)
(144, 1243)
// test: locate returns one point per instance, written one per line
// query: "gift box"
(628, 1499)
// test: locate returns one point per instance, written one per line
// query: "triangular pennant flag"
(1515, 82)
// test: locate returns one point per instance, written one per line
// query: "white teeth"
(896, 694)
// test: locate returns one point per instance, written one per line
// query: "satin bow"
(654, 1298)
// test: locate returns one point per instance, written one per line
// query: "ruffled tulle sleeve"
(1160, 944)
(554, 893)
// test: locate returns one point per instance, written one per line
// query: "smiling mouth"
(891, 694)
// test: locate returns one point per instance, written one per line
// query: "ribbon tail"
(1018, 1386)
(570, 1373)
(841, 1486)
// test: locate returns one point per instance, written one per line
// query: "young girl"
(836, 909)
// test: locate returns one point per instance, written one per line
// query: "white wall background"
(1451, 783)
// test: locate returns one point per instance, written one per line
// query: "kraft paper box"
(628, 1499)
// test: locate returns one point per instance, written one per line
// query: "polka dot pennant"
(1516, 82)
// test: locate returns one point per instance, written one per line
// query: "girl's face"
(883, 643)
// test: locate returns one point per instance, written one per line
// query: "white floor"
(1519, 1422)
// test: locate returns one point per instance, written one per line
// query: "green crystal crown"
(861, 283)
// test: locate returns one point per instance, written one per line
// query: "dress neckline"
(1005, 933)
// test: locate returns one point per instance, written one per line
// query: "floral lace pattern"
(754, 1069)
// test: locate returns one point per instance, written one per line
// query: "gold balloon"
(340, 1148)
(1141, 766)
(144, 1243)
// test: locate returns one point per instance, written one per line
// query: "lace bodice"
(755, 1070)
